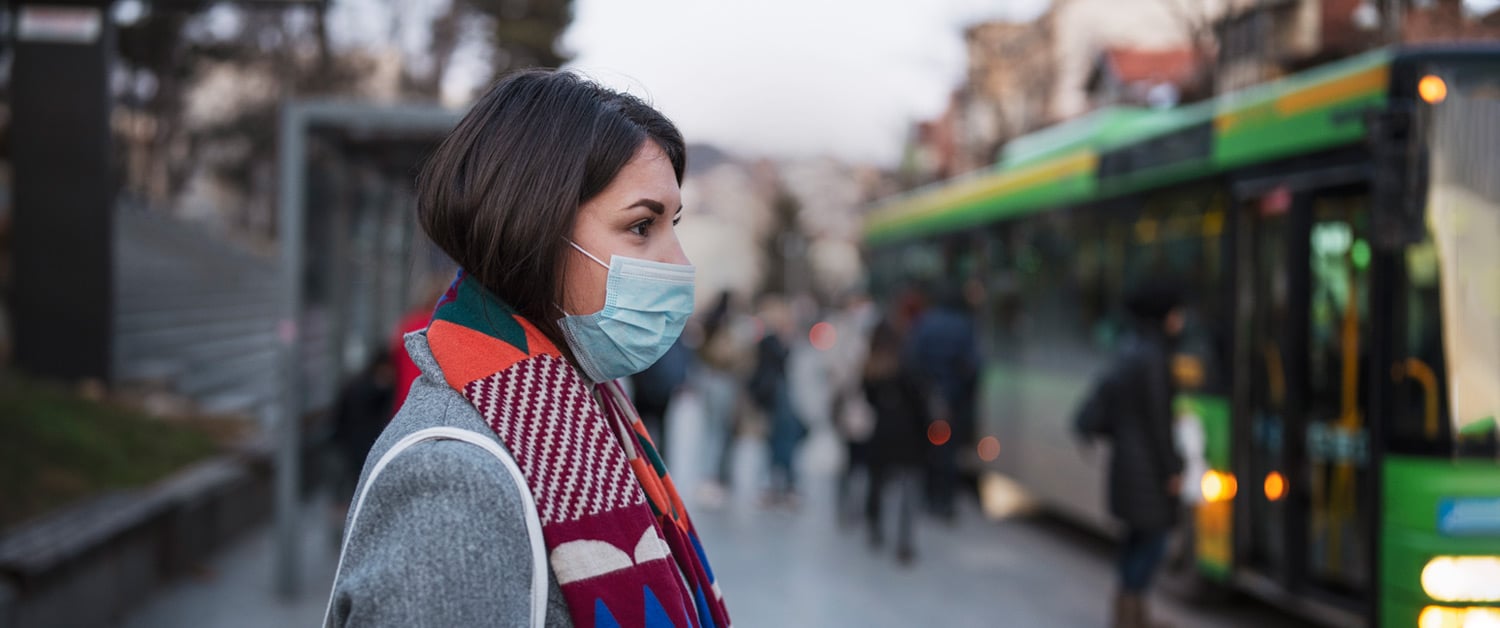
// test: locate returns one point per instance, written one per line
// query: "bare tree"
(525, 32)
(1197, 19)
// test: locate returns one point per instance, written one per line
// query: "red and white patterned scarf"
(617, 535)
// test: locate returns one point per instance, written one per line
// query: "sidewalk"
(237, 588)
(777, 567)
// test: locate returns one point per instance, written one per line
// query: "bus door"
(1305, 483)
(1263, 385)
(1336, 471)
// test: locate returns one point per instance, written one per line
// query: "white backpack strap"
(533, 521)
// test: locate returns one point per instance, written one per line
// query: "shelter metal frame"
(359, 124)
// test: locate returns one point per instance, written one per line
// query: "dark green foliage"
(57, 448)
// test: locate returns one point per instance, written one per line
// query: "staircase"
(197, 315)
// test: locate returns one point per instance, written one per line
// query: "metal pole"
(290, 161)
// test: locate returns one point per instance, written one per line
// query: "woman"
(557, 198)
(898, 445)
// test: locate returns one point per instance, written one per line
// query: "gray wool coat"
(442, 539)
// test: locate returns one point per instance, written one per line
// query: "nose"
(674, 253)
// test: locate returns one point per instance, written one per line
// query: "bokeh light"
(939, 432)
(1218, 487)
(823, 336)
(989, 448)
(1275, 486)
(1432, 89)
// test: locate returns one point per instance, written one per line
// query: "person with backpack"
(1130, 407)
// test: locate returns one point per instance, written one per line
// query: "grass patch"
(57, 448)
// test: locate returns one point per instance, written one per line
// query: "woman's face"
(635, 216)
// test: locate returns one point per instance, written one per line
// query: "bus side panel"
(1420, 494)
(1031, 410)
(1213, 534)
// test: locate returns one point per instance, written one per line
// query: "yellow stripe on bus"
(1361, 83)
(1346, 88)
(1082, 162)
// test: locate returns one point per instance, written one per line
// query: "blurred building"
(1148, 78)
(1085, 29)
(728, 215)
(1449, 20)
(1079, 55)
(1262, 40)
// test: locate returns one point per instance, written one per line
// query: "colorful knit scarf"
(617, 535)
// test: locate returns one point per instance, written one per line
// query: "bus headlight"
(1443, 617)
(1462, 579)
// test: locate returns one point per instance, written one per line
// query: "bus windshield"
(1464, 222)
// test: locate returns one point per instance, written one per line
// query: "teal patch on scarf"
(477, 309)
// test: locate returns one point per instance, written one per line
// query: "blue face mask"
(646, 305)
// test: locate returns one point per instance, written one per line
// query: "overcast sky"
(786, 77)
(780, 78)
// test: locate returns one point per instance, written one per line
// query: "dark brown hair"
(502, 191)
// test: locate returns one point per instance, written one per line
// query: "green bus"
(1339, 380)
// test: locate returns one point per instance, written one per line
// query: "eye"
(641, 227)
(677, 220)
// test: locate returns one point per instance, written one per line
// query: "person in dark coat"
(360, 413)
(898, 445)
(943, 347)
(655, 388)
(1131, 407)
(771, 391)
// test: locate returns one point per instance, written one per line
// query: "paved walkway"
(777, 567)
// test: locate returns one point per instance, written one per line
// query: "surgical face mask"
(646, 305)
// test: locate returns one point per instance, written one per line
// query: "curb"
(90, 563)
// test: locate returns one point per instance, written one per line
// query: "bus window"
(1418, 421)
(1463, 207)
(1179, 234)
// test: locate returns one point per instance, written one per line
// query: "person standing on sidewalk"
(655, 388)
(852, 417)
(943, 347)
(771, 391)
(723, 358)
(1131, 407)
(517, 486)
(360, 414)
(898, 445)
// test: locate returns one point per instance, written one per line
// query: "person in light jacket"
(517, 486)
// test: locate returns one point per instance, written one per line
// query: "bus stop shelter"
(346, 225)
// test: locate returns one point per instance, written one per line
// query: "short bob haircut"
(501, 193)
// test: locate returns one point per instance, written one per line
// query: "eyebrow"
(655, 206)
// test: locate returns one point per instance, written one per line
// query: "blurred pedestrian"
(1131, 407)
(360, 412)
(722, 362)
(898, 443)
(853, 419)
(654, 389)
(771, 391)
(944, 348)
(503, 490)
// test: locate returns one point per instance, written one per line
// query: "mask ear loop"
(587, 254)
(590, 255)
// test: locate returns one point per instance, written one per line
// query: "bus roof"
(1119, 150)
